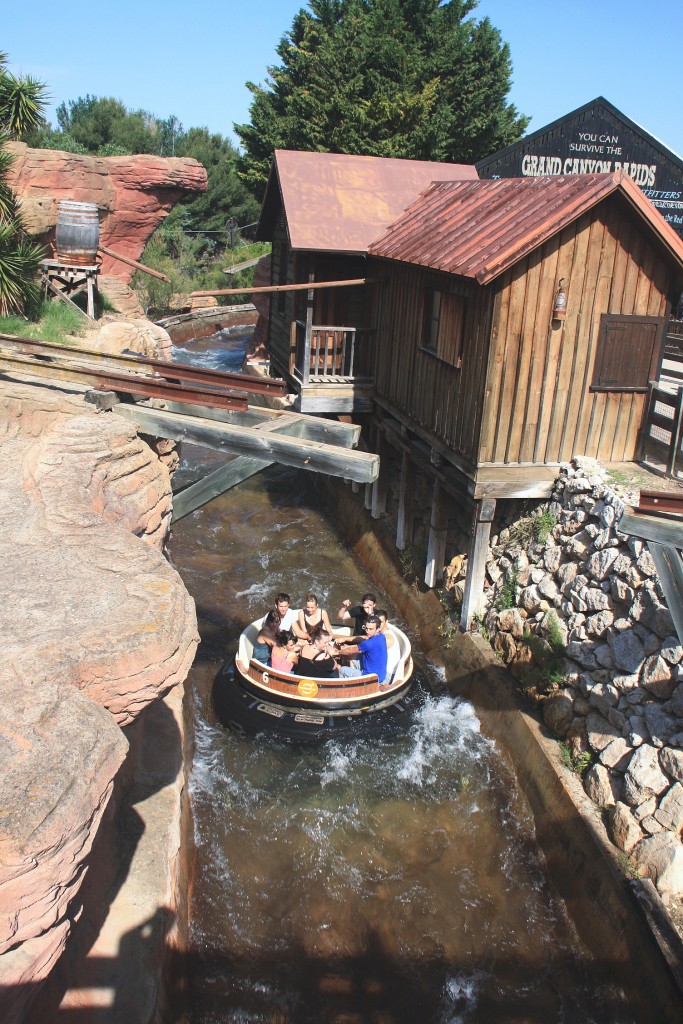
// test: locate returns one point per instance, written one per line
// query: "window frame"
(446, 348)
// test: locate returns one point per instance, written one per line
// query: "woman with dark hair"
(285, 653)
(317, 656)
(266, 638)
(310, 616)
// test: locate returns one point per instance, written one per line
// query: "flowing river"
(390, 876)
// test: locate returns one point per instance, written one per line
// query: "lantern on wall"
(560, 305)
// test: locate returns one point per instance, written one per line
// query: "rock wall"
(133, 193)
(580, 619)
(96, 626)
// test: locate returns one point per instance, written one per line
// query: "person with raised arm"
(372, 652)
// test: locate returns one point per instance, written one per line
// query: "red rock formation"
(133, 193)
(97, 625)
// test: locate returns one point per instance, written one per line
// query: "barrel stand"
(66, 280)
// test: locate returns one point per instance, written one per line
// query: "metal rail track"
(134, 375)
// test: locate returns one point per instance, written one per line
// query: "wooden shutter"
(451, 326)
(444, 325)
(628, 352)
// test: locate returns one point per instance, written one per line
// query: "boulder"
(672, 762)
(669, 814)
(656, 677)
(661, 858)
(599, 731)
(627, 651)
(645, 774)
(623, 827)
(651, 612)
(600, 563)
(558, 712)
(616, 754)
(662, 726)
(598, 785)
(60, 755)
(139, 336)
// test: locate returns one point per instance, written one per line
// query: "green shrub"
(548, 654)
(579, 764)
(507, 595)
(536, 527)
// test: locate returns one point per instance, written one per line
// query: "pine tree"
(418, 79)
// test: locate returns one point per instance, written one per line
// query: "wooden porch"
(330, 368)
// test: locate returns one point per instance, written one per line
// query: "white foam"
(460, 993)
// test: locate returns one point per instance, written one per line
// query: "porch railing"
(331, 354)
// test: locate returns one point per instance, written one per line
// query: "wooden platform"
(66, 280)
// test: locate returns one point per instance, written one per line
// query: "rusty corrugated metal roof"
(479, 229)
(336, 202)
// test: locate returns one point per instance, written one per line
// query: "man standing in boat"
(372, 651)
(359, 612)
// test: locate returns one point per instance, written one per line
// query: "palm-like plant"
(22, 101)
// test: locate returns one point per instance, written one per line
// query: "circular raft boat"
(250, 696)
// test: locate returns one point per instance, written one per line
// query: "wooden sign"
(596, 139)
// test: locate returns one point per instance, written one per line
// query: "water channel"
(390, 876)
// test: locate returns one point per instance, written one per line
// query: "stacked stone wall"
(590, 638)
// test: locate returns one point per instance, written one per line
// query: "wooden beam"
(268, 288)
(314, 456)
(380, 486)
(313, 428)
(438, 529)
(65, 298)
(406, 493)
(661, 531)
(235, 471)
(134, 263)
(667, 560)
(210, 486)
(476, 561)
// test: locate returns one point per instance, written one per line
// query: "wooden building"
(321, 211)
(518, 324)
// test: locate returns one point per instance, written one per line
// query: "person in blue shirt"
(372, 651)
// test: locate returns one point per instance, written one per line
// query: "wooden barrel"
(78, 233)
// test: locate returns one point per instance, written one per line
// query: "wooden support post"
(367, 499)
(380, 486)
(65, 298)
(438, 529)
(306, 368)
(404, 524)
(91, 297)
(484, 512)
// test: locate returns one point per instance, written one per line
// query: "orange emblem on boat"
(307, 688)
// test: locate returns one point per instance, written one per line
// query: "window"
(444, 326)
(628, 352)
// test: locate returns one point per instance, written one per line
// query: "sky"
(193, 60)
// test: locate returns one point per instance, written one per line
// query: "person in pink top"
(285, 653)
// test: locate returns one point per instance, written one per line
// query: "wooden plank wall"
(540, 408)
(441, 398)
(279, 330)
(523, 393)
